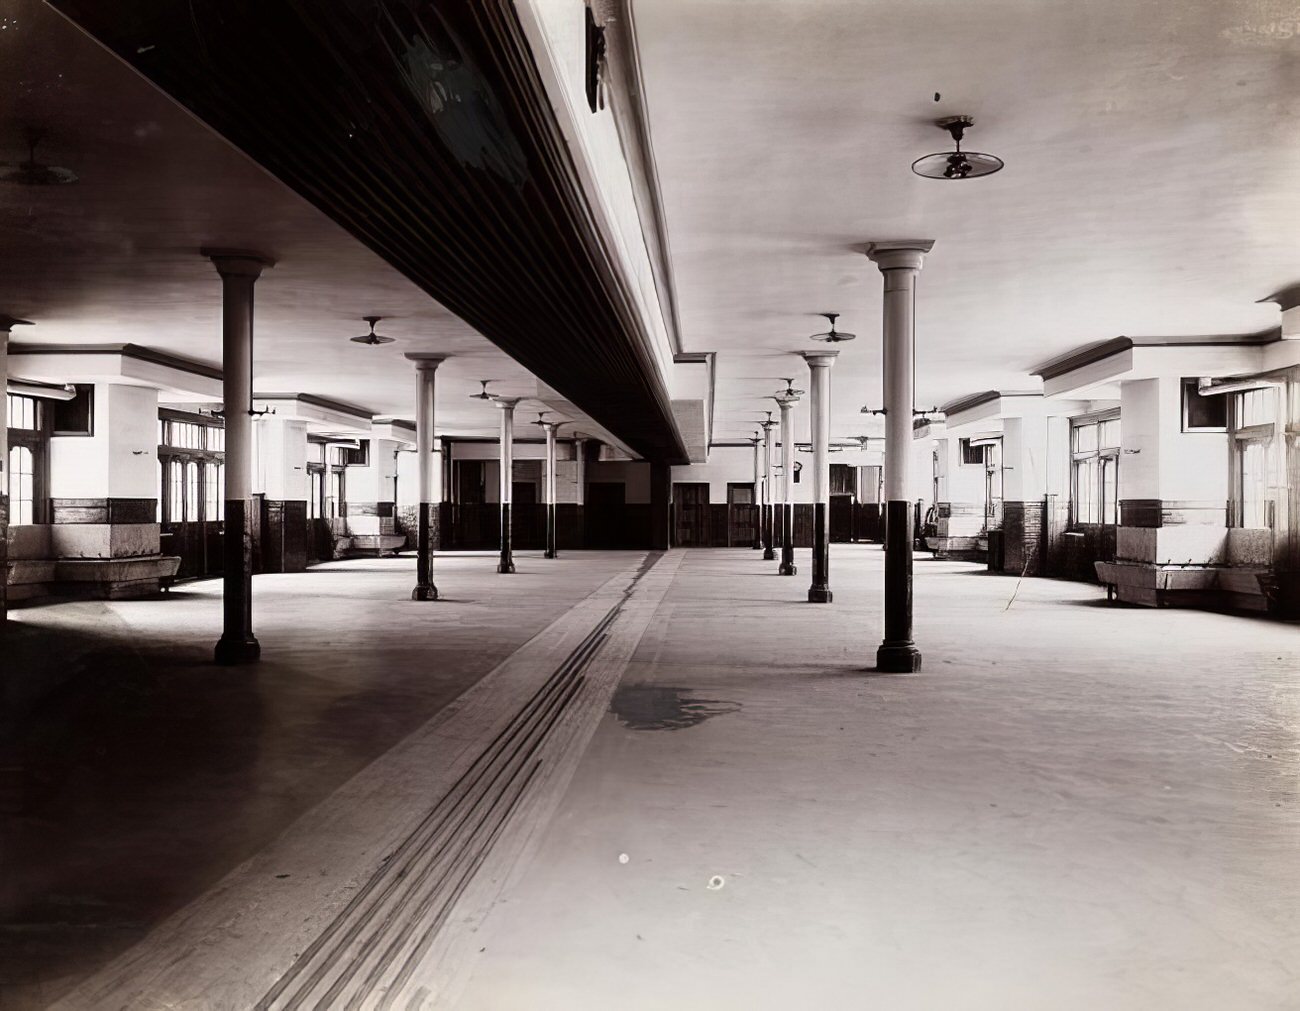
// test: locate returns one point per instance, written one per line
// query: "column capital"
(237, 262)
(550, 427)
(424, 361)
(785, 402)
(506, 403)
(8, 322)
(899, 254)
(822, 359)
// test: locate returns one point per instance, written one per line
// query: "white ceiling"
(114, 257)
(1152, 184)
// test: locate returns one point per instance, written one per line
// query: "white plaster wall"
(408, 478)
(1025, 448)
(958, 482)
(374, 483)
(282, 459)
(1160, 460)
(121, 459)
(1139, 465)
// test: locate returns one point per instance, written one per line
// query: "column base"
(769, 555)
(429, 592)
(820, 595)
(230, 651)
(898, 658)
(505, 567)
(787, 569)
(551, 554)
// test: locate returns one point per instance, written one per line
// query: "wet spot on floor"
(650, 707)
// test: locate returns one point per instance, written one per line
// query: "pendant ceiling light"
(789, 390)
(372, 338)
(832, 336)
(956, 164)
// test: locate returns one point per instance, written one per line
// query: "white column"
(550, 428)
(899, 262)
(507, 406)
(239, 272)
(426, 368)
(769, 496)
(819, 367)
(787, 484)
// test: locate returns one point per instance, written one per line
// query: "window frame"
(1105, 499)
(1242, 438)
(37, 440)
(178, 448)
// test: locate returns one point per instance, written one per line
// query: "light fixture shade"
(957, 165)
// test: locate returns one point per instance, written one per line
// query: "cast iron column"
(769, 554)
(426, 366)
(507, 405)
(551, 546)
(819, 364)
(239, 272)
(758, 496)
(899, 262)
(787, 567)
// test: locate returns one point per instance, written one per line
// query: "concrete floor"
(138, 774)
(1073, 806)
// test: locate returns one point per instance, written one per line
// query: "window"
(22, 485)
(192, 513)
(191, 467)
(23, 412)
(1094, 475)
(75, 416)
(27, 420)
(1203, 414)
(176, 491)
(1254, 424)
(214, 491)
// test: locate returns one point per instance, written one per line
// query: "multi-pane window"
(1254, 425)
(326, 468)
(22, 485)
(28, 427)
(22, 412)
(1094, 475)
(191, 456)
(214, 490)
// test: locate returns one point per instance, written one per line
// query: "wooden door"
(691, 514)
(742, 514)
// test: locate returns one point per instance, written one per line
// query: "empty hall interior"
(511, 505)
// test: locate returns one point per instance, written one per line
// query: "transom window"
(1094, 475)
(23, 412)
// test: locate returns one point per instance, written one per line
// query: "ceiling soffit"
(427, 136)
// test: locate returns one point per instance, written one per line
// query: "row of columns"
(899, 263)
(239, 272)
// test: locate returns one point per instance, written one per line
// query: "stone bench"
(1151, 585)
(98, 578)
(377, 544)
